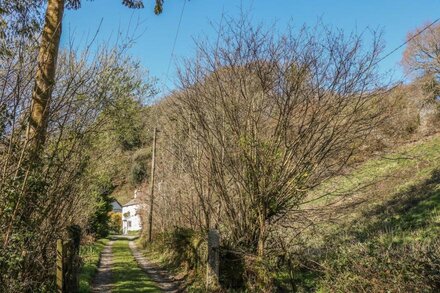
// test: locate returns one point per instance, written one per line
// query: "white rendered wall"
(134, 218)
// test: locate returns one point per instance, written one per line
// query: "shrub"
(98, 224)
(182, 247)
(115, 224)
(186, 250)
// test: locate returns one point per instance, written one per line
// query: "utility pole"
(153, 168)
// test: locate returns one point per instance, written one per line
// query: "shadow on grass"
(408, 211)
(123, 237)
(393, 245)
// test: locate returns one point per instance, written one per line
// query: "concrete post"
(212, 271)
(60, 266)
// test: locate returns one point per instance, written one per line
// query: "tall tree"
(45, 76)
(46, 70)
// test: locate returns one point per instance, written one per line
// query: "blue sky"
(154, 47)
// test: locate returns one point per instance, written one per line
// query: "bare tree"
(261, 119)
(422, 54)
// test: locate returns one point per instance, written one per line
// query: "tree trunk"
(41, 94)
(261, 235)
(45, 76)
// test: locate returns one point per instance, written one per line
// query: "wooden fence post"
(60, 266)
(73, 263)
(68, 261)
(212, 270)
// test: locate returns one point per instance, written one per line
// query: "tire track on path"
(103, 280)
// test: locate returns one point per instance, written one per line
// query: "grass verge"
(181, 252)
(90, 255)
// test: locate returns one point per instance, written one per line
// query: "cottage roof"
(134, 201)
(116, 201)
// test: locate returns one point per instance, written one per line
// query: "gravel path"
(103, 280)
(157, 274)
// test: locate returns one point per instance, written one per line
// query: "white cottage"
(131, 220)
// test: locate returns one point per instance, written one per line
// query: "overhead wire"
(176, 36)
(408, 40)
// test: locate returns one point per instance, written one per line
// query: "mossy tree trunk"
(45, 76)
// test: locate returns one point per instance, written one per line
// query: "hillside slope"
(384, 237)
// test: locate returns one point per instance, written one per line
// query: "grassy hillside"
(384, 237)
